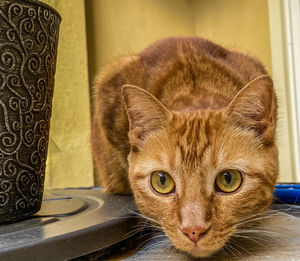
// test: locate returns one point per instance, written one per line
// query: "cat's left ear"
(254, 108)
(145, 113)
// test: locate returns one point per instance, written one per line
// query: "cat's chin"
(198, 252)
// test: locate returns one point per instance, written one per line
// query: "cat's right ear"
(145, 113)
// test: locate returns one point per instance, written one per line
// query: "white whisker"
(254, 239)
(244, 249)
(271, 234)
(232, 248)
(144, 217)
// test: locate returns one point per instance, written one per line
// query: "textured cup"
(28, 49)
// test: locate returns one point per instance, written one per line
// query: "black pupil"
(227, 177)
(162, 178)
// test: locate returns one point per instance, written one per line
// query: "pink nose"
(194, 233)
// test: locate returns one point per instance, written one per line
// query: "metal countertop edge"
(71, 245)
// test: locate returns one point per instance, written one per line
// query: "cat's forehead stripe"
(193, 140)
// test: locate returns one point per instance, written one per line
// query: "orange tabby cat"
(188, 127)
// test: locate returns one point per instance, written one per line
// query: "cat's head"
(201, 174)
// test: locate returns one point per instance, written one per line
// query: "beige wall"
(241, 25)
(69, 159)
(125, 26)
(120, 27)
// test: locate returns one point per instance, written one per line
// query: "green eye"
(228, 181)
(162, 182)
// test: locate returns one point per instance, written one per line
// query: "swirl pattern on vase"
(28, 49)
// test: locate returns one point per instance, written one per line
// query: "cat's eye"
(228, 181)
(162, 182)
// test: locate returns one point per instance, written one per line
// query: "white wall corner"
(284, 18)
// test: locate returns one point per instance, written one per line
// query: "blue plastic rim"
(288, 193)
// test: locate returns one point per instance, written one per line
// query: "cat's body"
(211, 110)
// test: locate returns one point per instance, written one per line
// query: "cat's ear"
(253, 108)
(145, 113)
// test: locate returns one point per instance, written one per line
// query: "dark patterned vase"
(28, 48)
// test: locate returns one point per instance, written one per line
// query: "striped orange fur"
(191, 108)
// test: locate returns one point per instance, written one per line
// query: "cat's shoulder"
(176, 46)
(114, 67)
(193, 49)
